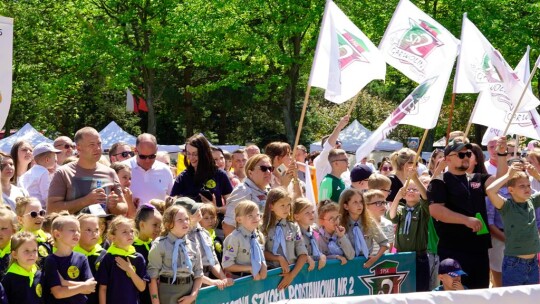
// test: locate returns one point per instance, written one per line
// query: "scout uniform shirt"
(199, 234)
(307, 241)
(294, 243)
(5, 256)
(374, 234)
(417, 238)
(143, 247)
(22, 286)
(160, 259)
(95, 256)
(237, 247)
(343, 242)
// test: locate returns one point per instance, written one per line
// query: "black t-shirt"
(219, 185)
(463, 194)
(394, 187)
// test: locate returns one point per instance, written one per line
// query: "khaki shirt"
(343, 242)
(160, 258)
(294, 243)
(199, 234)
(237, 248)
(307, 240)
(374, 234)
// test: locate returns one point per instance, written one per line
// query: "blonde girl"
(22, 281)
(304, 215)
(122, 273)
(174, 261)
(243, 254)
(8, 226)
(31, 216)
(332, 240)
(361, 229)
(284, 243)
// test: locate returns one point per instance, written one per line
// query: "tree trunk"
(188, 101)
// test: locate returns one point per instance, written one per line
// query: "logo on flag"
(350, 49)
(415, 44)
(385, 278)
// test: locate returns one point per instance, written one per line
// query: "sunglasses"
(266, 168)
(65, 146)
(462, 155)
(143, 157)
(379, 203)
(387, 169)
(126, 154)
(34, 214)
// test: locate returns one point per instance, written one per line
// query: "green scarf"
(17, 269)
(121, 252)
(6, 250)
(140, 242)
(95, 251)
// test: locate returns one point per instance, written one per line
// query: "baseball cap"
(191, 205)
(456, 145)
(451, 267)
(360, 173)
(44, 147)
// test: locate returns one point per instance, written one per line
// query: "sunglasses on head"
(126, 154)
(266, 168)
(65, 146)
(151, 156)
(462, 155)
(35, 214)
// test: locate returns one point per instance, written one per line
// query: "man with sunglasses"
(66, 147)
(120, 151)
(150, 179)
(457, 203)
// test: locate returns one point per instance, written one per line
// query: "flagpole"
(353, 103)
(418, 154)
(525, 88)
(301, 122)
(449, 127)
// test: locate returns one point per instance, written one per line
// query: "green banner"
(393, 273)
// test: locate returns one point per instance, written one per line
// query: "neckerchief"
(140, 242)
(17, 269)
(121, 252)
(6, 250)
(95, 251)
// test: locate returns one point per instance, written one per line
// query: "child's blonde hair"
(160, 205)
(244, 208)
(117, 221)
(8, 215)
(61, 220)
(22, 202)
(365, 218)
(378, 181)
(326, 206)
(372, 194)
(515, 177)
(269, 218)
(168, 218)
(300, 204)
(209, 209)
(18, 239)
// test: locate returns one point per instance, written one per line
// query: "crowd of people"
(78, 226)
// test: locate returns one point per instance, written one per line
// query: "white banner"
(6, 60)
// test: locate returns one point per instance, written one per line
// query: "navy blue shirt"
(95, 261)
(18, 290)
(120, 287)
(219, 185)
(4, 265)
(144, 297)
(74, 267)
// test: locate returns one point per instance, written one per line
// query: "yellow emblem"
(73, 272)
(43, 252)
(97, 265)
(39, 290)
(210, 184)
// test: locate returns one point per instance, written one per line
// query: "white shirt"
(491, 169)
(13, 194)
(323, 167)
(155, 183)
(36, 181)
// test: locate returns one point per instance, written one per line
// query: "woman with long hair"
(10, 192)
(21, 152)
(403, 163)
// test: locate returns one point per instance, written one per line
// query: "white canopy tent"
(354, 135)
(113, 133)
(441, 143)
(28, 133)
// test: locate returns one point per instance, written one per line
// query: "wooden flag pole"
(525, 88)
(449, 127)
(301, 122)
(418, 154)
(353, 104)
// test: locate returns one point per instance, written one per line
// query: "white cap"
(44, 147)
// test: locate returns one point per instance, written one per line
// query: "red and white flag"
(345, 59)
(416, 44)
(135, 104)
(6, 64)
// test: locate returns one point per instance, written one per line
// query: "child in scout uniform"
(304, 215)
(175, 261)
(332, 240)
(362, 230)
(67, 277)
(31, 216)
(88, 245)
(243, 249)
(199, 235)
(209, 222)
(450, 273)
(284, 243)
(148, 225)
(377, 205)
(8, 226)
(412, 228)
(22, 282)
(520, 261)
(122, 272)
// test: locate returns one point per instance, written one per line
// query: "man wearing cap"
(457, 202)
(450, 273)
(66, 147)
(359, 177)
(149, 178)
(37, 180)
(86, 182)
(332, 185)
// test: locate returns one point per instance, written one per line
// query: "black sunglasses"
(266, 168)
(66, 146)
(462, 155)
(126, 153)
(151, 156)
(35, 214)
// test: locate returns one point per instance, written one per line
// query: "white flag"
(416, 44)
(482, 68)
(6, 63)
(131, 105)
(526, 123)
(345, 59)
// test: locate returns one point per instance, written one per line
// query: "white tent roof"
(441, 143)
(28, 133)
(354, 135)
(112, 134)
